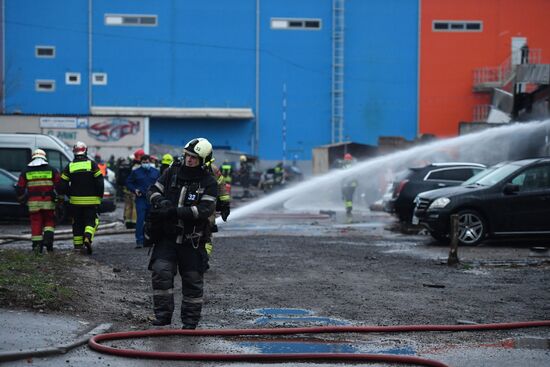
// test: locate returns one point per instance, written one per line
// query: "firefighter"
(182, 200)
(101, 165)
(37, 186)
(83, 182)
(348, 186)
(130, 213)
(244, 176)
(278, 174)
(226, 169)
(138, 183)
(223, 205)
(167, 160)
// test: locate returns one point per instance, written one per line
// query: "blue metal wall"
(381, 69)
(59, 23)
(202, 53)
(301, 60)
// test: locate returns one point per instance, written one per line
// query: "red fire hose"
(94, 343)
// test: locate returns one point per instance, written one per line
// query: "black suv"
(413, 181)
(510, 198)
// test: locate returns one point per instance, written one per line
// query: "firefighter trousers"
(85, 223)
(42, 228)
(166, 260)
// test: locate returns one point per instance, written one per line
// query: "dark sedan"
(413, 181)
(508, 199)
(11, 209)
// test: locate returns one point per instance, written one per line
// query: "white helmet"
(200, 148)
(39, 153)
(80, 148)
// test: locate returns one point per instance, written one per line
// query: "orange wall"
(447, 59)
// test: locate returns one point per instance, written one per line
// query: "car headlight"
(440, 203)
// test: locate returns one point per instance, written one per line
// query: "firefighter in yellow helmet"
(244, 176)
(166, 161)
(83, 182)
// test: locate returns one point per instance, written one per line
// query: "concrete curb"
(60, 349)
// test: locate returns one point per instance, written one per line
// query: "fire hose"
(95, 342)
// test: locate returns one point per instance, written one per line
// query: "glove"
(225, 211)
(161, 213)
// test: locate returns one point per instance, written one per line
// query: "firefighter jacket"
(83, 182)
(192, 191)
(40, 183)
(223, 194)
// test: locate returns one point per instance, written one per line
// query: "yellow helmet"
(167, 159)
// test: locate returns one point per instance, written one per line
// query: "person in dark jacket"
(183, 199)
(83, 182)
(138, 183)
(37, 186)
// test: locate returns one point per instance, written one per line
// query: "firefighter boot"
(48, 240)
(88, 243)
(37, 247)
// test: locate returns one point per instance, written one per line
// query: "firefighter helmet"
(167, 159)
(80, 148)
(200, 148)
(39, 153)
(348, 157)
(243, 158)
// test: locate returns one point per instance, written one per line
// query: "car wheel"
(471, 227)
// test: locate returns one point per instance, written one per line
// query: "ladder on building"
(338, 70)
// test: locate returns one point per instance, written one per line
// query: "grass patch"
(35, 281)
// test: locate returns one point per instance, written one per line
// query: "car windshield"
(491, 176)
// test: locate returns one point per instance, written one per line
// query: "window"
(14, 159)
(457, 26)
(303, 24)
(72, 78)
(44, 85)
(533, 179)
(452, 174)
(6, 180)
(99, 78)
(56, 159)
(130, 20)
(47, 52)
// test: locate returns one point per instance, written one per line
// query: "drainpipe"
(418, 58)
(256, 141)
(90, 18)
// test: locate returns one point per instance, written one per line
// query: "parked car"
(15, 153)
(10, 208)
(413, 181)
(510, 198)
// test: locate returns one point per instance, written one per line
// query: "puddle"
(294, 316)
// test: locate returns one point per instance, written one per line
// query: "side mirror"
(510, 189)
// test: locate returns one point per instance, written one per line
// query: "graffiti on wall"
(113, 129)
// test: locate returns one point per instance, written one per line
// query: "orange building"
(458, 37)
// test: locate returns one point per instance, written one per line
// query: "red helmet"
(348, 157)
(80, 148)
(138, 154)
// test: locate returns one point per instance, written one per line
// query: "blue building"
(271, 78)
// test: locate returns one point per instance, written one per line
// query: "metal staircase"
(338, 27)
